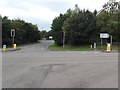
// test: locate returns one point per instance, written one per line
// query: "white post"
(94, 45)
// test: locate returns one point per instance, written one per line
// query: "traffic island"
(11, 49)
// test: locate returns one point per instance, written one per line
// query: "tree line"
(80, 27)
(84, 27)
(24, 32)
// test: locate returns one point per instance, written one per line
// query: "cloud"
(31, 11)
(28, 11)
(38, 11)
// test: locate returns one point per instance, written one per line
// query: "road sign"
(104, 35)
(12, 32)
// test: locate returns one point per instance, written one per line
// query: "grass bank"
(78, 48)
(114, 47)
(70, 48)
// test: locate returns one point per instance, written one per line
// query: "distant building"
(100, 12)
(111, 1)
(111, 7)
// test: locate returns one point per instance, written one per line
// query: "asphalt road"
(34, 66)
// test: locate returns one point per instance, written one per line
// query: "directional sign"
(12, 32)
(104, 35)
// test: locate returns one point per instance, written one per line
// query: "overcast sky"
(42, 12)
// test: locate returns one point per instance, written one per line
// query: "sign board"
(12, 32)
(50, 37)
(104, 35)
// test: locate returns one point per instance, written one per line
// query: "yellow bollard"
(108, 47)
(15, 46)
(4, 47)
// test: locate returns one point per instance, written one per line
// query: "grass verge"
(70, 48)
(79, 48)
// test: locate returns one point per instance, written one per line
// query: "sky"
(43, 12)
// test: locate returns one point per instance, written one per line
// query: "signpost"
(103, 35)
(106, 35)
(13, 35)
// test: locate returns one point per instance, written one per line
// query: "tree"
(111, 7)
(80, 27)
(57, 31)
(0, 31)
(43, 34)
(108, 21)
(6, 29)
(25, 32)
(49, 33)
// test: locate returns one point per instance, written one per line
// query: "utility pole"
(111, 42)
(63, 39)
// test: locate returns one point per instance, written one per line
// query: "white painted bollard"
(90, 46)
(94, 45)
(4, 47)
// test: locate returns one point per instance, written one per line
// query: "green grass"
(78, 48)
(114, 47)
(70, 48)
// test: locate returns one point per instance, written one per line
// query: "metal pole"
(63, 39)
(101, 42)
(13, 42)
(111, 43)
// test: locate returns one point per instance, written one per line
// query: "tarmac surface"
(34, 66)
